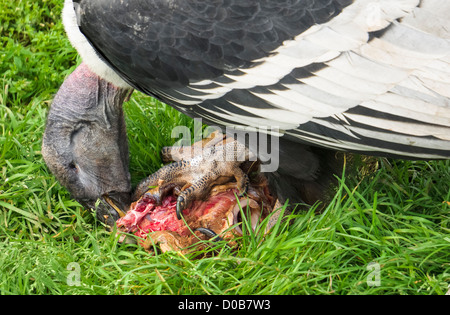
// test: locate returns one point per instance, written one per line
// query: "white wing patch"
(321, 43)
(405, 73)
(400, 79)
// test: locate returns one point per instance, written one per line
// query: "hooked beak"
(113, 206)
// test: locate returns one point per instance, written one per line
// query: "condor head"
(85, 143)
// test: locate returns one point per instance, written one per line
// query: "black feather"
(214, 36)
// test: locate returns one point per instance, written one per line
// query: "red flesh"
(145, 216)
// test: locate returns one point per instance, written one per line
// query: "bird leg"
(178, 153)
(216, 163)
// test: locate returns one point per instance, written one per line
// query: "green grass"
(397, 216)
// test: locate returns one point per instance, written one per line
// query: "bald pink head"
(85, 142)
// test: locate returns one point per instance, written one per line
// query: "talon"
(210, 233)
(196, 175)
(181, 204)
(154, 194)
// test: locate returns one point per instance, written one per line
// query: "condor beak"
(118, 202)
(111, 203)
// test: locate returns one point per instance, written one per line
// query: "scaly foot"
(213, 161)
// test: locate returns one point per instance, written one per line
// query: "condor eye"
(73, 166)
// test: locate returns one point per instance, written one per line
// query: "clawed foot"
(213, 161)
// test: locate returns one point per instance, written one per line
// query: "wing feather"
(369, 76)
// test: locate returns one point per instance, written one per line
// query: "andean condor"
(364, 76)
